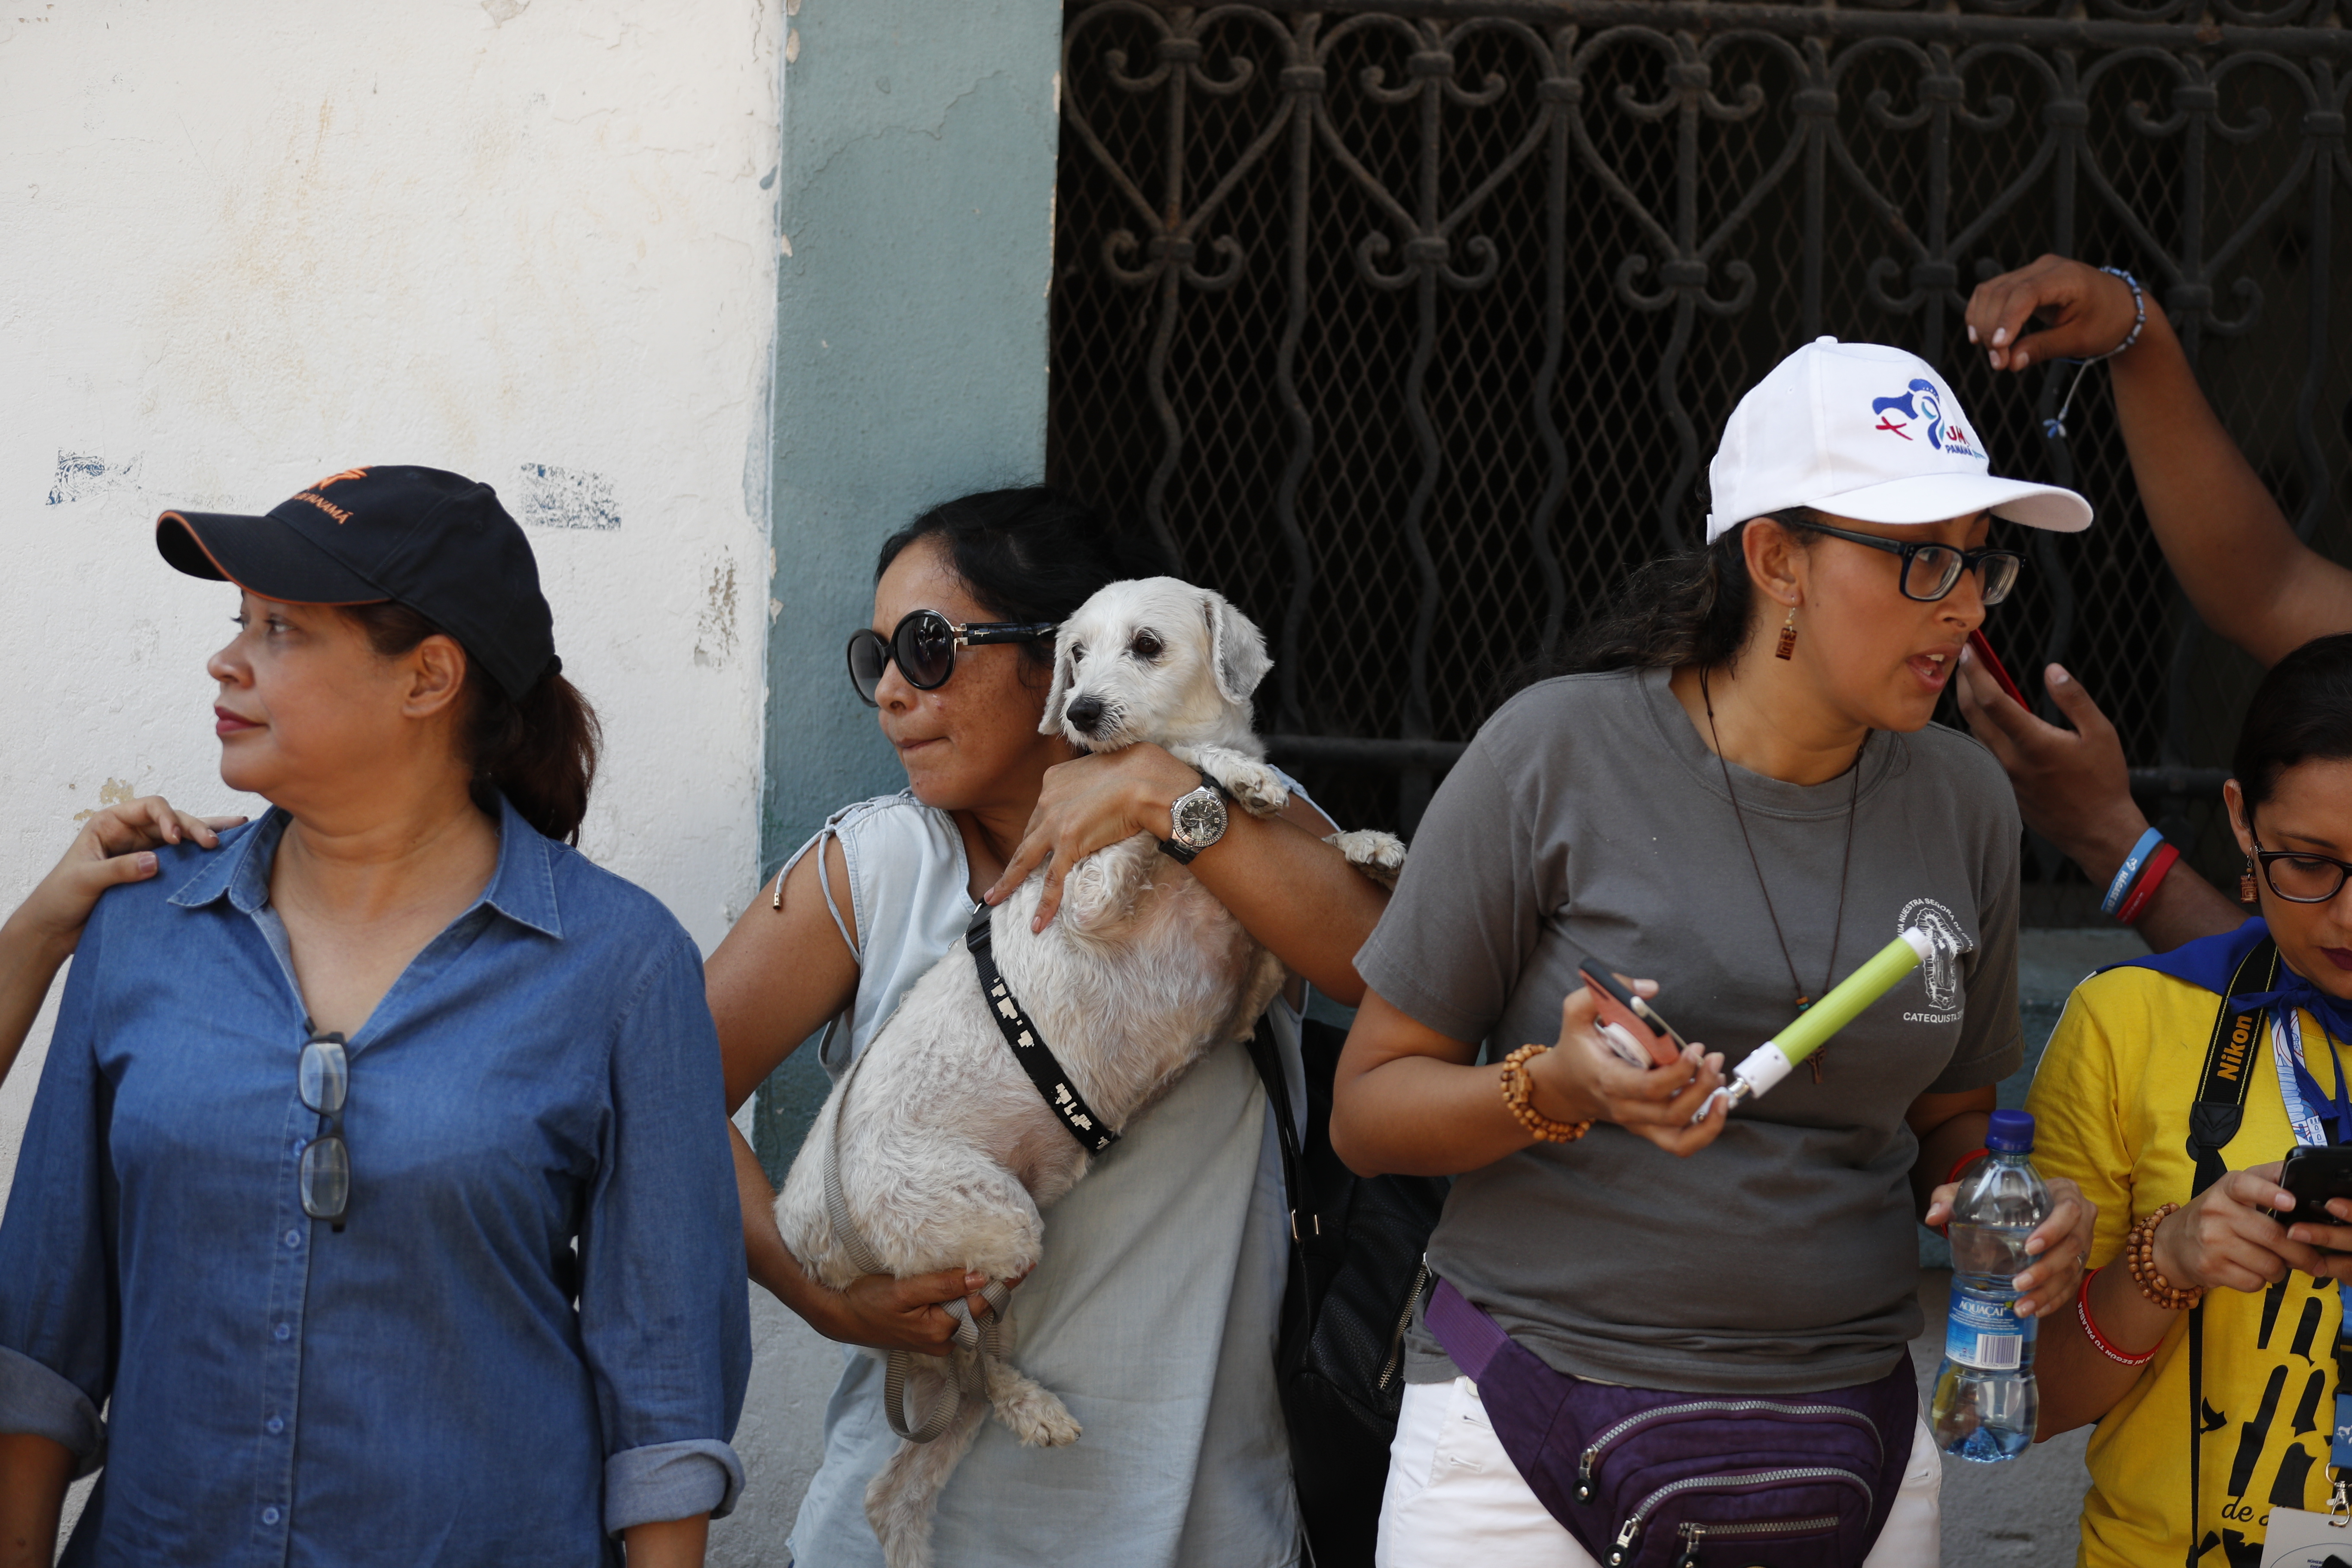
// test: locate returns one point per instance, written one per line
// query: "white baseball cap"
(1868, 432)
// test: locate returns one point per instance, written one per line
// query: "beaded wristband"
(2139, 311)
(2128, 872)
(2144, 891)
(2139, 1247)
(1518, 1090)
(2083, 1311)
(2055, 427)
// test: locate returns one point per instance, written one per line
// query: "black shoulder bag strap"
(1029, 1047)
(1265, 1054)
(2213, 1122)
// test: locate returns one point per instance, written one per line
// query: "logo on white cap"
(1867, 432)
(1920, 411)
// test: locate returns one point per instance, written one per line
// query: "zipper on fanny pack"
(1404, 1322)
(1695, 1534)
(1622, 1552)
(1590, 1461)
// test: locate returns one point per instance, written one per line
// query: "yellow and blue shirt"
(2111, 1102)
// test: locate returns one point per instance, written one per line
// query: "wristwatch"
(1198, 820)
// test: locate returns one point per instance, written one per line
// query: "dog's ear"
(1057, 696)
(1238, 646)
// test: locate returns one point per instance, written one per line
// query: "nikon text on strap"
(1029, 1047)
(2213, 1122)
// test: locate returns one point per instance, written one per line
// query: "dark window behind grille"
(1413, 334)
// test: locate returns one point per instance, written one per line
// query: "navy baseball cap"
(436, 542)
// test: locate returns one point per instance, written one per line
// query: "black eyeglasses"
(1931, 571)
(2298, 878)
(324, 1079)
(925, 645)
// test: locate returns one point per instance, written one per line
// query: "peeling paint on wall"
(567, 497)
(714, 627)
(81, 475)
(113, 792)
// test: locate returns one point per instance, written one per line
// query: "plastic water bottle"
(1985, 1400)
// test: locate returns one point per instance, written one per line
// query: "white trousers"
(1454, 1497)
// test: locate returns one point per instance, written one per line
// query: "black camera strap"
(1029, 1047)
(2214, 1120)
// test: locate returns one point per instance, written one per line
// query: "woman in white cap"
(1734, 787)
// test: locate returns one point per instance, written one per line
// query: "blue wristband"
(2128, 872)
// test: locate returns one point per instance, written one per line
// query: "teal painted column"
(916, 217)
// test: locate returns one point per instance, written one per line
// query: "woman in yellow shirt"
(2139, 1047)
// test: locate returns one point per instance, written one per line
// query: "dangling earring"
(2246, 894)
(1788, 647)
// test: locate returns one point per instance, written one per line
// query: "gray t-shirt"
(1588, 816)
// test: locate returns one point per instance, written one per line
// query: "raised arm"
(36, 941)
(2220, 530)
(781, 973)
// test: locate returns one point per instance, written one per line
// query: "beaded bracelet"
(2139, 1247)
(2139, 311)
(2055, 427)
(2083, 1311)
(1518, 1090)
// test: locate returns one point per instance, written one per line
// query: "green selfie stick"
(1769, 1062)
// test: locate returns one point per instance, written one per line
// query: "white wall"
(247, 243)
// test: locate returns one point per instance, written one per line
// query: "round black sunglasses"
(925, 645)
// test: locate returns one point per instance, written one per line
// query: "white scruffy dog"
(946, 1152)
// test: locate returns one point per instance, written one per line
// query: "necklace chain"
(1837, 930)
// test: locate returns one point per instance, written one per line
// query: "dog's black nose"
(1085, 714)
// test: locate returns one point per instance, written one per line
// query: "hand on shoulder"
(117, 845)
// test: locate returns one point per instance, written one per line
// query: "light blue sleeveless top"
(1152, 1314)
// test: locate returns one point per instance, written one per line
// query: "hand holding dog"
(883, 1312)
(1582, 1077)
(1088, 805)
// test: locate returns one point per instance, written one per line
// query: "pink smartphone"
(1634, 1029)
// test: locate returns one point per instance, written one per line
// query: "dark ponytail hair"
(1033, 553)
(2301, 712)
(539, 751)
(1690, 607)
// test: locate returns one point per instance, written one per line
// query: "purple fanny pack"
(1647, 1478)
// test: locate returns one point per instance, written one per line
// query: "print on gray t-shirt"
(1588, 816)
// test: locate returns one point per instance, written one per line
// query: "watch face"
(1200, 818)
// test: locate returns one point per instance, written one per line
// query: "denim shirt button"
(284, 1330)
(293, 1238)
(275, 1425)
(270, 1516)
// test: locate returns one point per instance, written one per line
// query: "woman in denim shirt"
(373, 1189)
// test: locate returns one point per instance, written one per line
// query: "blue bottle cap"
(2012, 1133)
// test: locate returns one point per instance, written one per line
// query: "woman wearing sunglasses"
(1737, 791)
(1153, 1312)
(374, 1191)
(2201, 1301)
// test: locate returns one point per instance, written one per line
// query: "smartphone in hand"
(2315, 1173)
(1980, 647)
(1636, 1031)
